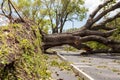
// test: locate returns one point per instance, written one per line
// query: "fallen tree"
(94, 29)
(20, 43)
(91, 31)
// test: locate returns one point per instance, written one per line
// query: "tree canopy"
(53, 12)
(61, 11)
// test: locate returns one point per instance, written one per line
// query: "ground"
(60, 70)
(93, 67)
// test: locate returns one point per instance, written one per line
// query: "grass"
(102, 66)
(62, 65)
(115, 70)
(70, 48)
(116, 61)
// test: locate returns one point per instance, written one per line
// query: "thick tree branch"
(90, 22)
(104, 27)
(66, 38)
(100, 39)
(98, 8)
(92, 32)
(116, 6)
(106, 21)
(63, 22)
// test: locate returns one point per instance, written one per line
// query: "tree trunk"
(71, 39)
(91, 31)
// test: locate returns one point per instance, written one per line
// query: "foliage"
(60, 11)
(61, 65)
(116, 35)
(69, 48)
(19, 41)
(96, 45)
(52, 12)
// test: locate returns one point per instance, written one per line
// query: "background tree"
(55, 12)
(33, 10)
(61, 11)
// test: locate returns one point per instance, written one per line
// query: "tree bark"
(89, 32)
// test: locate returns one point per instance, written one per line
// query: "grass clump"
(61, 65)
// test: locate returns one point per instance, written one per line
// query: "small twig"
(3, 9)
(16, 11)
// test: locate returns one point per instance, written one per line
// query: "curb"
(79, 72)
(61, 57)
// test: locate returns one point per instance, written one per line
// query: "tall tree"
(61, 11)
(57, 12)
(31, 9)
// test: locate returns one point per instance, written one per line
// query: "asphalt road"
(60, 74)
(97, 67)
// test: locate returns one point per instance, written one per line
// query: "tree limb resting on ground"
(88, 32)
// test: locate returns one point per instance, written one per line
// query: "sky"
(91, 5)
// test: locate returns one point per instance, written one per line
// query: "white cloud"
(3, 21)
(92, 4)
